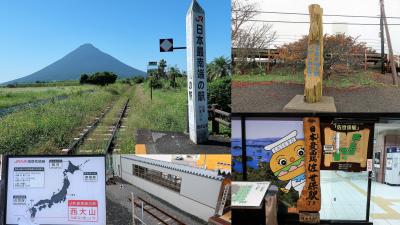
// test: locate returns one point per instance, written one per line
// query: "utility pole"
(382, 45)
(391, 57)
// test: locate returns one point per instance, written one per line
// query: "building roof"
(173, 166)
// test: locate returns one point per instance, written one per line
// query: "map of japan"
(56, 190)
(61, 195)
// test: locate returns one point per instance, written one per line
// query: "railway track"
(98, 137)
(156, 213)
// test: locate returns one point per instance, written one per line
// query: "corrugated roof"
(178, 167)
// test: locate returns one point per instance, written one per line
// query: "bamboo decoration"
(313, 72)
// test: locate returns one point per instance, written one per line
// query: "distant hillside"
(85, 59)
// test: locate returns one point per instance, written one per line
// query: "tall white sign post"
(196, 72)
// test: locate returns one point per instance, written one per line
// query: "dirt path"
(272, 97)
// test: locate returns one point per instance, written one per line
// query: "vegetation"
(172, 73)
(43, 84)
(99, 78)
(284, 75)
(219, 92)
(50, 127)
(15, 96)
(220, 67)
(343, 54)
(95, 141)
(247, 36)
(138, 80)
(161, 69)
(166, 112)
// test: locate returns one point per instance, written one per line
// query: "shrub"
(156, 83)
(138, 80)
(99, 78)
(219, 92)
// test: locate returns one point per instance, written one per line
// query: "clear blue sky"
(33, 34)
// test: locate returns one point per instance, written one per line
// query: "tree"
(343, 53)
(99, 78)
(173, 73)
(161, 68)
(248, 37)
(294, 54)
(219, 92)
(218, 68)
(84, 78)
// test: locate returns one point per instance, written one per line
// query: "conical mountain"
(85, 59)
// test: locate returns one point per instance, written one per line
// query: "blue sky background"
(34, 34)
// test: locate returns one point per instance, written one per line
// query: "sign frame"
(6, 159)
(363, 124)
(243, 117)
(171, 40)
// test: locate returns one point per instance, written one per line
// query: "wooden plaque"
(311, 218)
(310, 198)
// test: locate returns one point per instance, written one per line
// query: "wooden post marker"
(313, 72)
(312, 99)
(309, 203)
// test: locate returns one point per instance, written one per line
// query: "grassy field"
(360, 78)
(50, 127)
(20, 95)
(166, 112)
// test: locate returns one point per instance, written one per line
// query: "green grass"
(97, 140)
(223, 130)
(357, 79)
(166, 112)
(363, 79)
(51, 127)
(15, 96)
(278, 75)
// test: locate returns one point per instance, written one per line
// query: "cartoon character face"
(288, 163)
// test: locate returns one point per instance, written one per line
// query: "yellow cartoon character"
(287, 161)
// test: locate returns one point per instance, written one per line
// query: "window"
(169, 181)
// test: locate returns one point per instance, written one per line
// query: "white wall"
(198, 195)
(116, 163)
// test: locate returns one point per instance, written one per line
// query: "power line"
(327, 15)
(285, 21)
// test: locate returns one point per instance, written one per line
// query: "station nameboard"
(197, 73)
(56, 190)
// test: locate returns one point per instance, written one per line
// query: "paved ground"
(345, 195)
(119, 210)
(272, 97)
(179, 143)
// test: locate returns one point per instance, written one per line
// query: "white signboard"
(56, 190)
(196, 72)
(248, 194)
